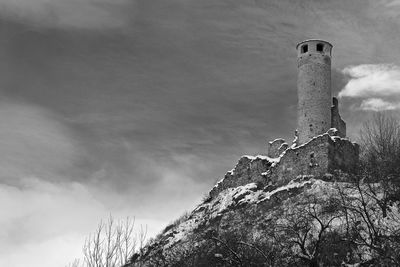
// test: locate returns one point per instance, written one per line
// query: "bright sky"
(137, 107)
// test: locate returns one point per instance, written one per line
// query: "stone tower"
(313, 89)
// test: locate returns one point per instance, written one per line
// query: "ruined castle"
(320, 147)
(289, 203)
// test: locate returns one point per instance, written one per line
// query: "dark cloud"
(82, 14)
(148, 105)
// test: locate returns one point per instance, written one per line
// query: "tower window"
(304, 49)
(320, 47)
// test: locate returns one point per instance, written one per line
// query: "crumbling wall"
(308, 159)
(343, 155)
(249, 169)
(319, 157)
(277, 147)
(336, 120)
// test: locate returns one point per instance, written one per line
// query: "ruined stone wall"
(308, 159)
(322, 155)
(336, 120)
(319, 157)
(343, 155)
(314, 89)
(277, 147)
(249, 169)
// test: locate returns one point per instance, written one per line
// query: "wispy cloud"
(66, 13)
(377, 104)
(378, 85)
(392, 3)
(34, 142)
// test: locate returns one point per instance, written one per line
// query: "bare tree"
(380, 137)
(112, 243)
(75, 263)
(380, 157)
(308, 230)
(374, 231)
(380, 146)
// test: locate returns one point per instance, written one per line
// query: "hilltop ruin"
(320, 146)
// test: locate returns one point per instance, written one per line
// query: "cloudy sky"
(136, 107)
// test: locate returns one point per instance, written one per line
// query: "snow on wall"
(249, 169)
(319, 157)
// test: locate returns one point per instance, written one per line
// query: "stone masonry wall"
(336, 120)
(319, 157)
(314, 90)
(323, 154)
(343, 155)
(308, 159)
(277, 147)
(249, 169)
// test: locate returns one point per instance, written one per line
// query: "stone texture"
(276, 147)
(321, 156)
(282, 148)
(314, 89)
(248, 170)
(336, 120)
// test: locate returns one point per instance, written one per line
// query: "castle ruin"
(320, 144)
(320, 147)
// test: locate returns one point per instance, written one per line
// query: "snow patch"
(276, 140)
(262, 157)
(231, 172)
(219, 182)
(273, 161)
(289, 186)
(231, 197)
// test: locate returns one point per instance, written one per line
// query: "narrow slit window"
(320, 47)
(304, 49)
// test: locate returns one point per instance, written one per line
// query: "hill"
(260, 215)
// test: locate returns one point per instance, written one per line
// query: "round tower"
(313, 88)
